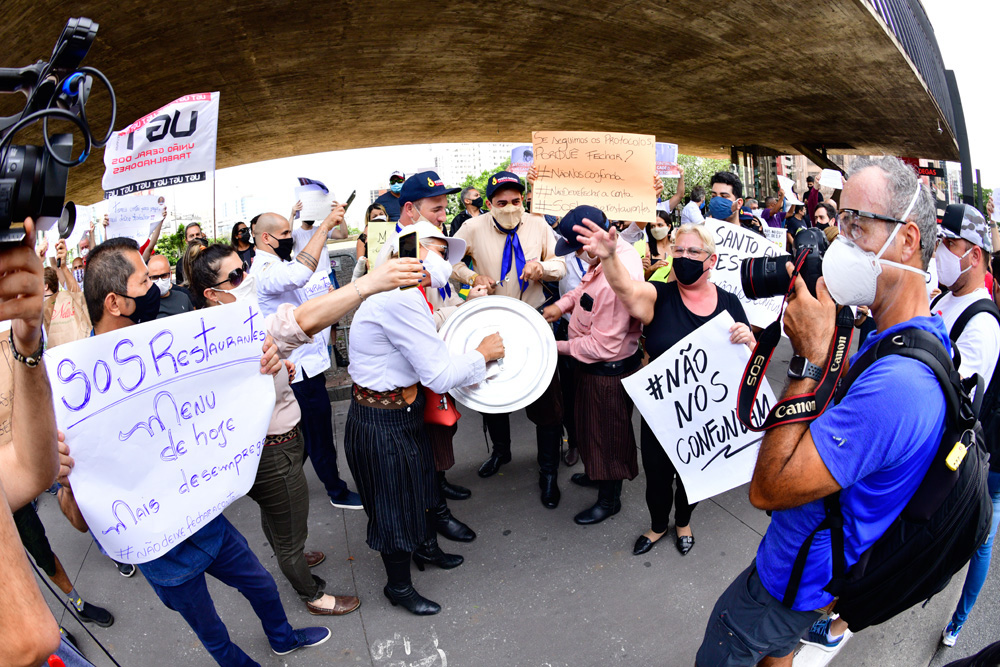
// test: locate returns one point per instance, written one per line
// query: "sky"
(966, 32)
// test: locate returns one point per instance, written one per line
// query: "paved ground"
(535, 589)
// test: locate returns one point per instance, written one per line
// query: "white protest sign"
(666, 160)
(521, 159)
(733, 244)
(832, 178)
(318, 285)
(776, 234)
(166, 421)
(316, 204)
(786, 185)
(687, 395)
(171, 146)
(133, 216)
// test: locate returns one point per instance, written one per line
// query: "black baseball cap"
(423, 185)
(568, 243)
(503, 179)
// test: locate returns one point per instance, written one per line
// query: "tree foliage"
(477, 182)
(173, 246)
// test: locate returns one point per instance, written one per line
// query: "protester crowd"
(617, 294)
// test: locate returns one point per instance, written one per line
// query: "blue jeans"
(979, 566)
(317, 431)
(238, 567)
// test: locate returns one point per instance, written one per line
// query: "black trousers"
(660, 475)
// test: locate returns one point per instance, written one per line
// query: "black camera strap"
(802, 407)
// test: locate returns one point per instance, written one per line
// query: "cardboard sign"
(173, 145)
(687, 395)
(162, 441)
(521, 159)
(378, 234)
(734, 244)
(666, 160)
(610, 170)
(133, 216)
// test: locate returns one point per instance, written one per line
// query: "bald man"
(174, 299)
(280, 279)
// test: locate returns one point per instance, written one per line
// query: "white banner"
(133, 216)
(734, 244)
(166, 421)
(171, 146)
(687, 395)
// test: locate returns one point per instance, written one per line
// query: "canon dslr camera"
(764, 277)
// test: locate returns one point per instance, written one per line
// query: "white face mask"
(438, 268)
(588, 258)
(932, 278)
(949, 265)
(246, 290)
(380, 218)
(163, 285)
(851, 274)
(659, 233)
(509, 216)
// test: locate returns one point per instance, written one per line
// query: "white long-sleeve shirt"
(281, 282)
(394, 343)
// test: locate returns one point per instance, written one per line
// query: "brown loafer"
(314, 558)
(345, 604)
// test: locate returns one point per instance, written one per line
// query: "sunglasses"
(395, 180)
(234, 278)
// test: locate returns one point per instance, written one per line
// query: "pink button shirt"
(607, 332)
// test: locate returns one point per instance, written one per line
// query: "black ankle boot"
(550, 490)
(451, 491)
(549, 439)
(450, 527)
(608, 504)
(429, 553)
(411, 600)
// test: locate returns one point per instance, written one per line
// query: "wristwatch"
(800, 367)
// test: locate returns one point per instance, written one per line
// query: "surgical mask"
(851, 274)
(932, 278)
(477, 202)
(163, 284)
(687, 270)
(509, 216)
(949, 265)
(147, 306)
(84, 252)
(78, 275)
(396, 188)
(720, 208)
(379, 218)
(283, 249)
(246, 289)
(659, 233)
(588, 258)
(438, 268)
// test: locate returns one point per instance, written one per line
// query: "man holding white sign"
(205, 542)
(669, 312)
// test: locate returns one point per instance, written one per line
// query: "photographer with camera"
(874, 446)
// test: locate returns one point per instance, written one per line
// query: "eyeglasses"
(693, 253)
(234, 278)
(854, 224)
(439, 249)
(161, 276)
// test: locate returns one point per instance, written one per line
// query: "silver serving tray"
(524, 374)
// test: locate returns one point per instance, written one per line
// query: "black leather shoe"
(643, 544)
(492, 465)
(448, 526)
(429, 553)
(581, 479)
(452, 491)
(550, 490)
(598, 513)
(685, 543)
(411, 601)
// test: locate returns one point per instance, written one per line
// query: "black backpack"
(989, 413)
(941, 526)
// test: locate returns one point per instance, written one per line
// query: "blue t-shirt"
(878, 443)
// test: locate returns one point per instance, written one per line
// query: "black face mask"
(477, 202)
(284, 249)
(687, 270)
(147, 306)
(244, 235)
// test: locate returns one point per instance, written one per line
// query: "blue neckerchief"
(512, 251)
(580, 264)
(444, 291)
(398, 228)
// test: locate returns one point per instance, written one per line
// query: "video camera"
(33, 178)
(764, 277)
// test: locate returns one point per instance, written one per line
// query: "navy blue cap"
(503, 179)
(568, 243)
(423, 185)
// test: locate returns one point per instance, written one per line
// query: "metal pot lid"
(523, 375)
